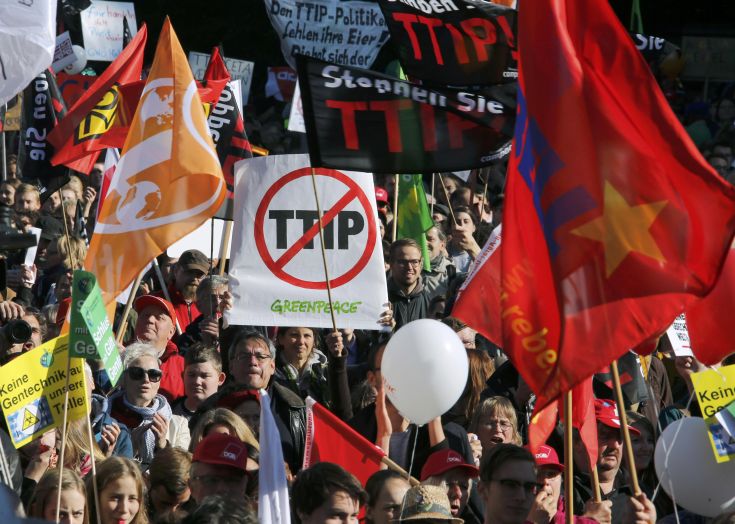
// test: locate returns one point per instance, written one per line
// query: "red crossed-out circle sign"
(354, 191)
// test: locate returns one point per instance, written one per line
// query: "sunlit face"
(154, 326)
(27, 201)
(494, 428)
(119, 501)
(458, 490)
(435, 243)
(7, 195)
(387, 505)
(201, 381)
(141, 392)
(251, 364)
(296, 344)
(339, 508)
(71, 509)
(405, 266)
(610, 448)
(508, 496)
(187, 281)
(464, 224)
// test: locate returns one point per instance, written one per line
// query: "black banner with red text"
(453, 42)
(365, 121)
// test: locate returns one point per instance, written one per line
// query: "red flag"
(215, 79)
(478, 302)
(96, 111)
(709, 319)
(614, 223)
(328, 439)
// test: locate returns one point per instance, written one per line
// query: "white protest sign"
(239, 70)
(344, 33)
(63, 52)
(200, 239)
(276, 267)
(679, 336)
(296, 117)
(102, 28)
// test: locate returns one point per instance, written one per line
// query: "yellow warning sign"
(29, 420)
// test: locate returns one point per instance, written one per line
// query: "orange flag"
(168, 180)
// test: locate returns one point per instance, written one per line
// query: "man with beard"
(443, 270)
(155, 325)
(625, 507)
(406, 290)
(192, 266)
(448, 468)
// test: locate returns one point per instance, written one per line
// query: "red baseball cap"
(381, 195)
(547, 457)
(444, 460)
(221, 449)
(606, 412)
(144, 301)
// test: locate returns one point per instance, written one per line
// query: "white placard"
(296, 117)
(679, 337)
(201, 239)
(239, 70)
(31, 251)
(344, 33)
(102, 28)
(63, 52)
(276, 266)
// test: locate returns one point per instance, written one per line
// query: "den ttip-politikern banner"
(277, 271)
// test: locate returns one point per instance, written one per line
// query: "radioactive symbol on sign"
(29, 419)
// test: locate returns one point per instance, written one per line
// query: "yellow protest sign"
(32, 390)
(715, 389)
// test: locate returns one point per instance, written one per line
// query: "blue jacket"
(100, 419)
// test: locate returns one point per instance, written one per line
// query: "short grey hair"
(138, 350)
(251, 335)
(209, 283)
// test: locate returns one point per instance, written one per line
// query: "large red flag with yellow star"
(614, 223)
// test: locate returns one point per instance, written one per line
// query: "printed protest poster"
(678, 335)
(63, 52)
(102, 28)
(715, 390)
(91, 333)
(276, 267)
(32, 390)
(346, 33)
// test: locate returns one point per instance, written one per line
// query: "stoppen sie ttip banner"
(276, 268)
(457, 42)
(362, 120)
(350, 33)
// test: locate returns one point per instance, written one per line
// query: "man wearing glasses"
(406, 291)
(218, 467)
(508, 484)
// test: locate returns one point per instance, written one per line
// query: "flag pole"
(324, 252)
(624, 426)
(568, 457)
(224, 250)
(63, 431)
(484, 196)
(395, 206)
(90, 436)
(433, 193)
(128, 306)
(2, 148)
(596, 484)
(398, 469)
(446, 194)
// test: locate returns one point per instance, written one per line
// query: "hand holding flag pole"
(624, 426)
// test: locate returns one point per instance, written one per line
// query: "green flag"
(414, 217)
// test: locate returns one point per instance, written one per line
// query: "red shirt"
(186, 312)
(172, 365)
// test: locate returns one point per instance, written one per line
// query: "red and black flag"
(362, 120)
(227, 128)
(100, 109)
(43, 107)
(462, 43)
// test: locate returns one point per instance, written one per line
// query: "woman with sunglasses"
(139, 406)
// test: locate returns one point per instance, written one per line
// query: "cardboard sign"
(32, 390)
(679, 337)
(91, 333)
(63, 52)
(239, 70)
(102, 28)
(346, 33)
(715, 389)
(362, 120)
(457, 42)
(276, 269)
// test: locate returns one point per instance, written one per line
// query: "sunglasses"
(136, 373)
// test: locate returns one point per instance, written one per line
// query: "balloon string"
(410, 464)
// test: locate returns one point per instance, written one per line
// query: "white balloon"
(425, 369)
(80, 63)
(689, 472)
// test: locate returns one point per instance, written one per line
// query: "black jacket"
(407, 308)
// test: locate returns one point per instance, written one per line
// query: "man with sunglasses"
(156, 325)
(508, 484)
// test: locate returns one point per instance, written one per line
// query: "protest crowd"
(142, 383)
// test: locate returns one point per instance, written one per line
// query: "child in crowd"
(120, 489)
(202, 378)
(73, 500)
